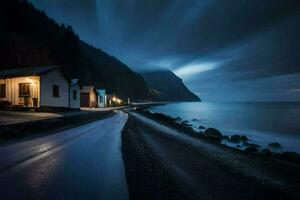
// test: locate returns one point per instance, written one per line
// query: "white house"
(38, 87)
(101, 98)
(74, 94)
(88, 97)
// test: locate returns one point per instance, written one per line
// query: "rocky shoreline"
(239, 142)
(165, 160)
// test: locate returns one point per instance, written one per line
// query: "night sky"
(224, 50)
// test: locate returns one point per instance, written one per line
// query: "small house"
(101, 98)
(38, 87)
(88, 97)
(75, 94)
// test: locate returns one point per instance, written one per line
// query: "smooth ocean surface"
(263, 123)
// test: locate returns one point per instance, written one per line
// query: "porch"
(20, 91)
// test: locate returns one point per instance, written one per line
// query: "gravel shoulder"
(163, 163)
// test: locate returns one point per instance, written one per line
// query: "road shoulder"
(248, 174)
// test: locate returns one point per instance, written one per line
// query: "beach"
(163, 161)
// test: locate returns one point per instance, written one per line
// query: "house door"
(84, 99)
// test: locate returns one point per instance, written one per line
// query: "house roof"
(28, 71)
(74, 82)
(87, 89)
(100, 91)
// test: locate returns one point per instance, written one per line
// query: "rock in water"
(251, 144)
(244, 138)
(251, 149)
(274, 145)
(213, 134)
(178, 119)
(186, 123)
(266, 152)
(225, 137)
(235, 138)
(201, 127)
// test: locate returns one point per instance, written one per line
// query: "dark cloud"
(219, 47)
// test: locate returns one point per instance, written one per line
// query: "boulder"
(178, 119)
(266, 152)
(201, 127)
(244, 138)
(251, 144)
(251, 149)
(226, 137)
(235, 138)
(212, 133)
(185, 123)
(290, 156)
(274, 145)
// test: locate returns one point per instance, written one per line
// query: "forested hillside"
(28, 37)
(166, 86)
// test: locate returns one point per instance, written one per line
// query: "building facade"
(74, 94)
(102, 98)
(39, 87)
(88, 97)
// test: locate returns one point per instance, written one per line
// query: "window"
(74, 94)
(24, 89)
(55, 91)
(101, 99)
(2, 90)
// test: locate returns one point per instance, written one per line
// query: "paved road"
(80, 163)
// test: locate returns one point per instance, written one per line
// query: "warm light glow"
(115, 99)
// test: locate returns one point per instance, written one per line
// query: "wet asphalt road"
(80, 163)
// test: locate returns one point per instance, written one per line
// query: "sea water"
(262, 123)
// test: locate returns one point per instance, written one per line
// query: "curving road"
(80, 163)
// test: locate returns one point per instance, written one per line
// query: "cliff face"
(28, 37)
(166, 86)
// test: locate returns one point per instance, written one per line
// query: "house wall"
(93, 99)
(75, 103)
(92, 95)
(12, 89)
(8, 96)
(54, 77)
(101, 95)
